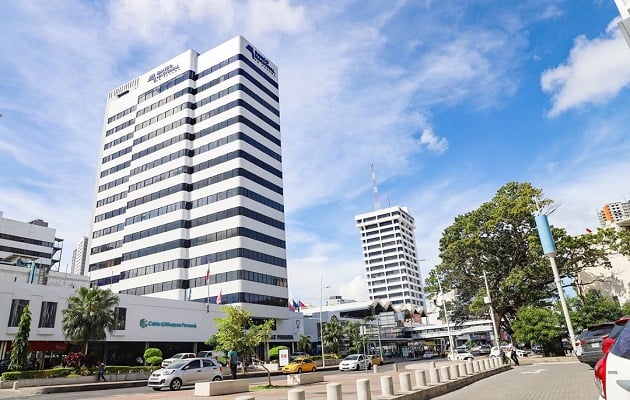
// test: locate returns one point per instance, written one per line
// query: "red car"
(607, 343)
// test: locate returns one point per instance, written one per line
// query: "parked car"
(428, 355)
(176, 357)
(355, 362)
(460, 354)
(299, 365)
(184, 372)
(4, 364)
(375, 360)
(612, 371)
(591, 342)
(608, 341)
(537, 349)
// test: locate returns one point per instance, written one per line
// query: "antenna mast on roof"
(377, 202)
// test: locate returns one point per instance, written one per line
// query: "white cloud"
(434, 143)
(594, 73)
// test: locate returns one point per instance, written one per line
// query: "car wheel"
(176, 384)
(299, 371)
(156, 389)
(369, 366)
(217, 378)
(313, 370)
(358, 367)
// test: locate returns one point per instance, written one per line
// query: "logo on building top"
(164, 72)
(144, 323)
(260, 59)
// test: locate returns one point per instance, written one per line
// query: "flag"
(219, 296)
(208, 275)
(296, 305)
(291, 306)
(302, 305)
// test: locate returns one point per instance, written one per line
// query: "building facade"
(79, 257)
(189, 201)
(34, 241)
(390, 256)
(614, 213)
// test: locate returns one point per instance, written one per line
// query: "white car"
(612, 372)
(459, 355)
(176, 357)
(186, 372)
(355, 362)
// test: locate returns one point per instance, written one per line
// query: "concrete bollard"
(296, 394)
(333, 391)
(246, 397)
(363, 389)
(454, 371)
(16, 385)
(395, 367)
(434, 376)
(387, 386)
(432, 364)
(405, 382)
(469, 367)
(375, 369)
(461, 370)
(475, 366)
(486, 364)
(421, 377)
(445, 376)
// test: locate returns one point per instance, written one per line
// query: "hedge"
(62, 372)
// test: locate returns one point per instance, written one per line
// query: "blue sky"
(449, 100)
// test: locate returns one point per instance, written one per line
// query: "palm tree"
(304, 344)
(89, 313)
(332, 335)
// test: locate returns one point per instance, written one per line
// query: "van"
(210, 354)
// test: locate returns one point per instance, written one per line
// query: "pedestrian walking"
(233, 358)
(101, 373)
(513, 355)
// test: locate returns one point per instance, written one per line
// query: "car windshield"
(176, 365)
(178, 355)
(352, 357)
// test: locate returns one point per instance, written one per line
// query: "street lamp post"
(321, 324)
(448, 327)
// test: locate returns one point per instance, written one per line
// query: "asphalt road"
(545, 381)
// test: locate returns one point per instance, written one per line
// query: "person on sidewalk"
(513, 356)
(233, 358)
(101, 373)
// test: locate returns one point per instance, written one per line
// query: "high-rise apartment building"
(614, 213)
(189, 201)
(390, 256)
(79, 257)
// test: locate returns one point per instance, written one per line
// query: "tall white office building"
(190, 182)
(79, 257)
(390, 256)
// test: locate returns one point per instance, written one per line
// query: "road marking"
(533, 372)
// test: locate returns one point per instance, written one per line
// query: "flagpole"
(208, 287)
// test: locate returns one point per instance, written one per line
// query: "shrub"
(46, 373)
(74, 361)
(153, 356)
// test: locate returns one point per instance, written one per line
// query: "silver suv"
(186, 372)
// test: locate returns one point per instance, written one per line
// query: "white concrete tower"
(390, 256)
(190, 180)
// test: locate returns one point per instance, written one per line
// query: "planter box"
(71, 380)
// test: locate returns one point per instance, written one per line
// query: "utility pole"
(488, 300)
(448, 328)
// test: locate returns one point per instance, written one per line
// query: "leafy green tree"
(19, 347)
(89, 313)
(501, 238)
(333, 333)
(274, 352)
(592, 308)
(538, 325)
(625, 308)
(153, 356)
(237, 331)
(304, 344)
